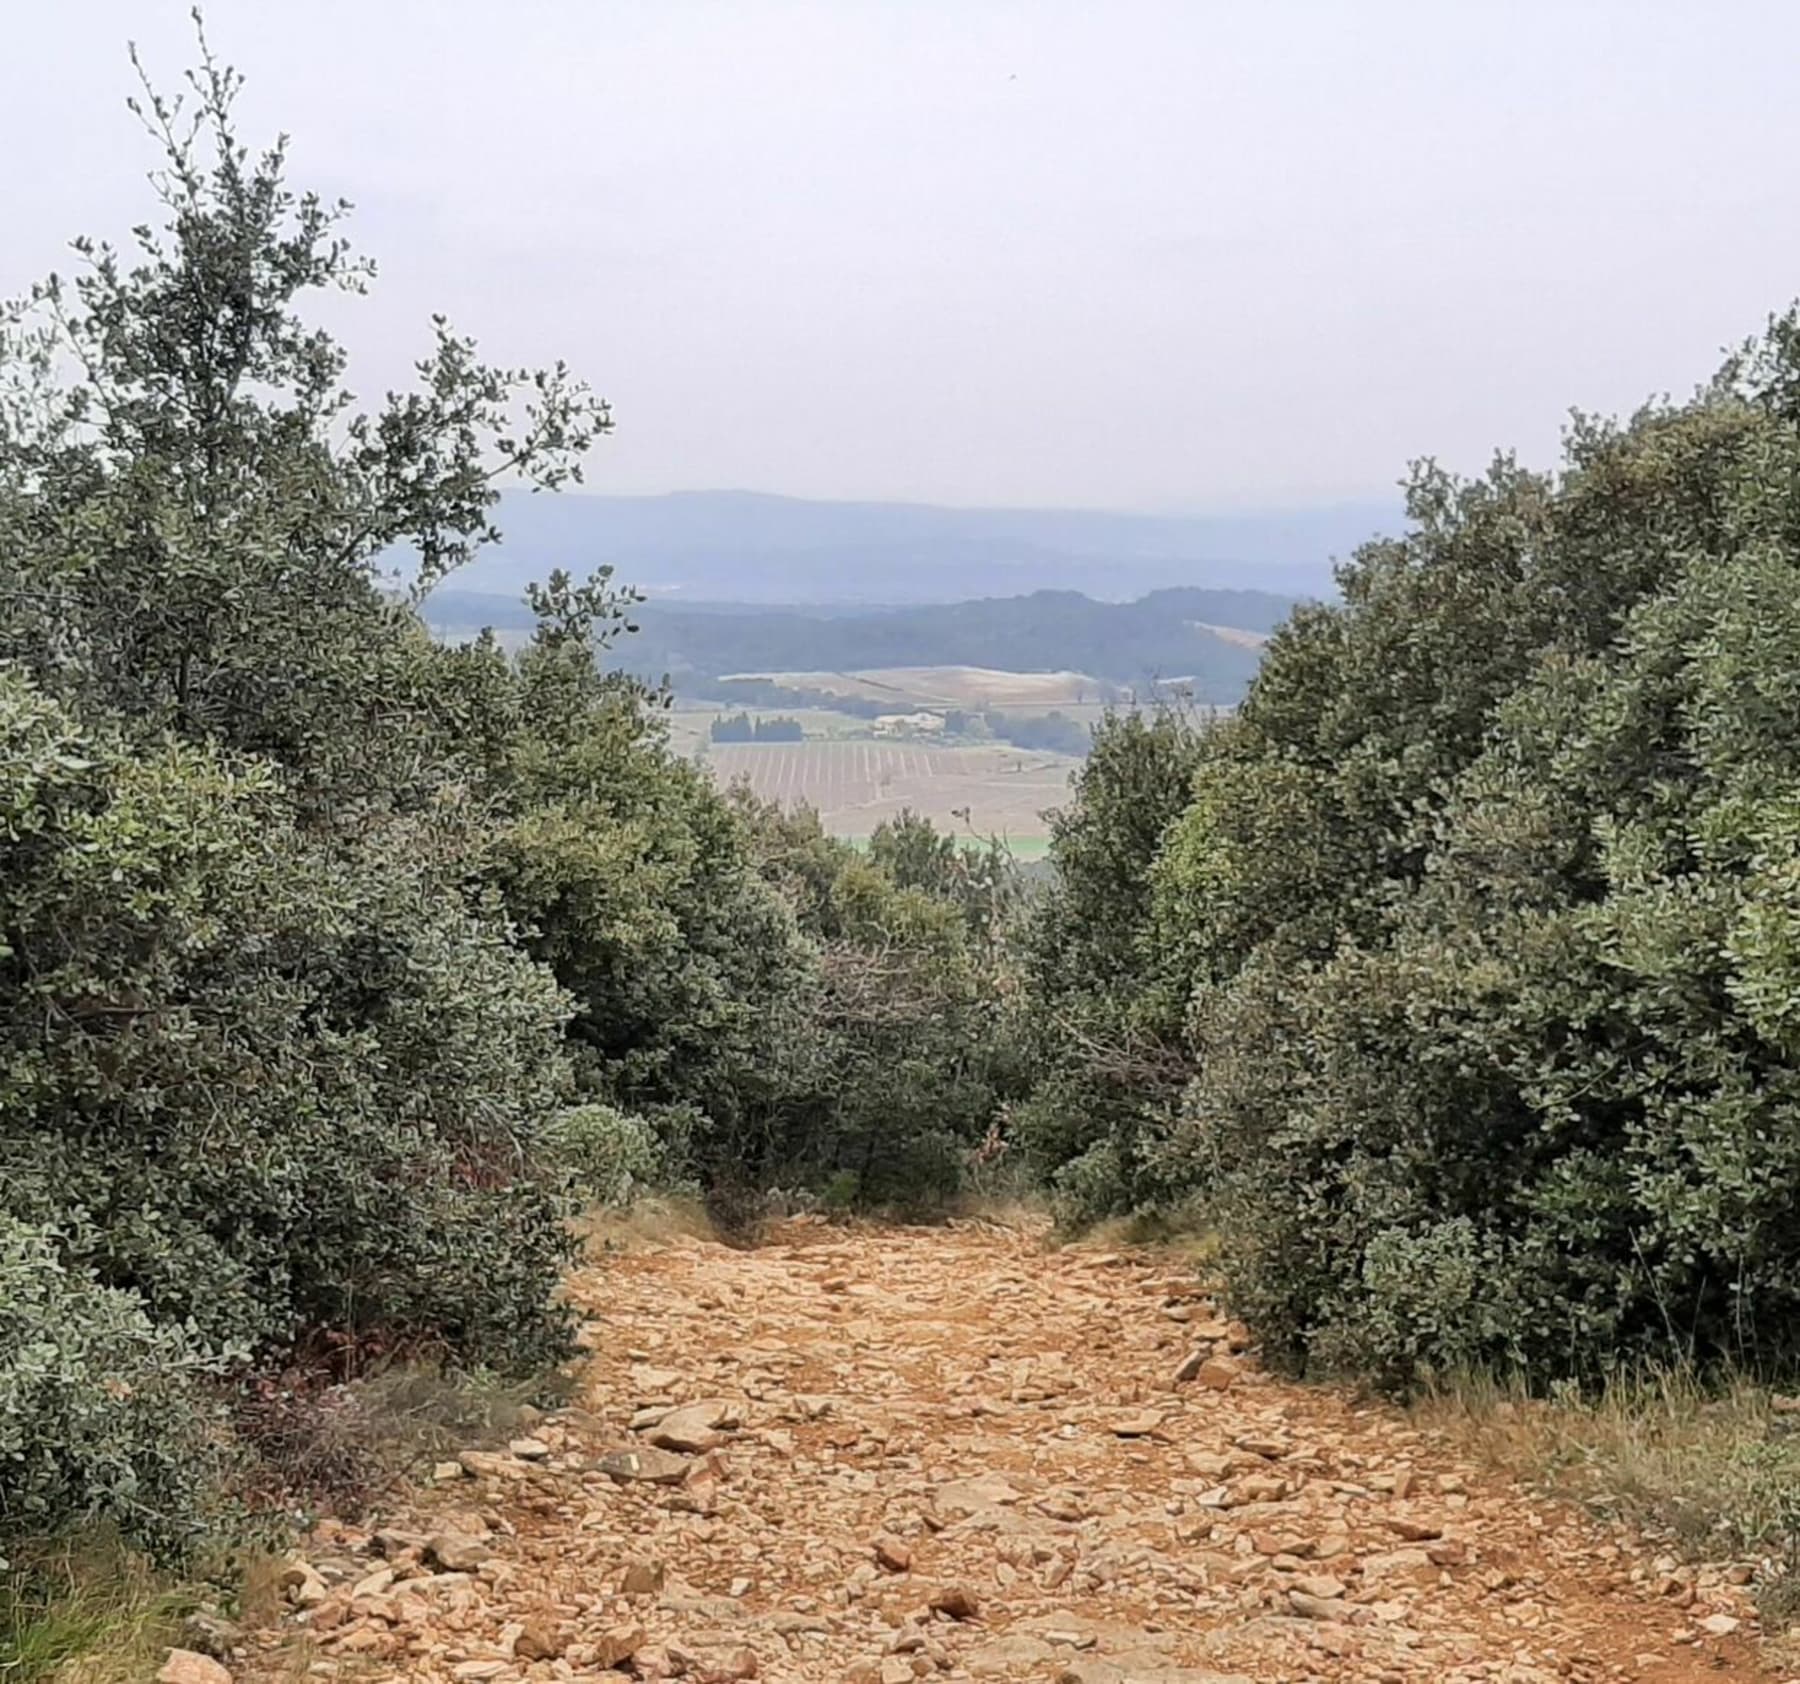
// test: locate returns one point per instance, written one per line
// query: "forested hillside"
(737, 546)
(1171, 634)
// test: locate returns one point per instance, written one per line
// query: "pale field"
(956, 687)
(855, 785)
(1235, 634)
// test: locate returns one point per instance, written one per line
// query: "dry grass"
(340, 1448)
(1709, 1469)
(645, 1222)
(85, 1611)
(1012, 1213)
(417, 1414)
(1180, 1234)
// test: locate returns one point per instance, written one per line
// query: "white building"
(909, 724)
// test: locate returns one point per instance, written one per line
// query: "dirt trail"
(961, 1416)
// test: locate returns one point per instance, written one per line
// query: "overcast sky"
(1117, 253)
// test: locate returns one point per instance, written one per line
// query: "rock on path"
(956, 1453)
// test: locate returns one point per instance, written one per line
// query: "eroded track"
(956, 1453)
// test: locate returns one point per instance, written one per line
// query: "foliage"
(1104, 1025)
(976, 876)
(264, 1085)
(192, 523)
(638, 884)
(100, 1414)
(273, 1068)
(610, 1157)
(901, 1049)
(1053, 732)
(1484, 914)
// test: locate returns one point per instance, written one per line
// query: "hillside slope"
(1173, 634)
(747, 547)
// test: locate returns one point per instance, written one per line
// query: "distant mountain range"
(733, 546)
(1207, 638)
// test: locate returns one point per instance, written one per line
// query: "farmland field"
(856, 784)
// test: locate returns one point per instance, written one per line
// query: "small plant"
(84, 1601)
(104, 1417)
(323, 1445)
(609, 1157)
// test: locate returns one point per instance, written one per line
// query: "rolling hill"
(735, 546)
(1207, 638)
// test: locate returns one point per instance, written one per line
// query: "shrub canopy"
(1482, 912)
(333, 961)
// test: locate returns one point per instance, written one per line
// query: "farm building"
(909, 724)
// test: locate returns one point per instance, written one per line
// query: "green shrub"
(264, 1086)
(1102, 997)
(272, 1061)
(1487, 901)
(609, 1157)
(328, 957)
(908, 1049)
(104, 1415)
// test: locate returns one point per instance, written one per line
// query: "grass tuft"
(650, 1221)
(84, 1612)
(1710, 1468)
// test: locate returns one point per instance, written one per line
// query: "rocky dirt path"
(958, 1454)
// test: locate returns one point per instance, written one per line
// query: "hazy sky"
(1116, 252)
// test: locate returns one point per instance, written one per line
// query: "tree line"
(743, 728)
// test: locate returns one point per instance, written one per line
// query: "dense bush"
(1104, 1021)
(900, 1051)
(642, 892)
(273, 1065)
(781, 1009)
(265, 1085)
(609, 1156)
(1053, 732)
(100, 1415)
(331, 960)
(1484, 915)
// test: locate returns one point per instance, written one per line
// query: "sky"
(1167, 255)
